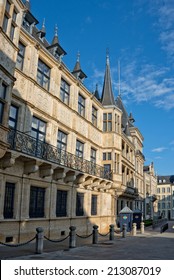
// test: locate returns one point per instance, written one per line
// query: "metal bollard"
(124, 231)
(95, 235)
(39, 240)
(134, 229)
(72, 237)
(111, 231)
(142, 227)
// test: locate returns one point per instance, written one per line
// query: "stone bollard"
(142, 227)
(134, 229)
(124, 231)
(111, 231)
(72, 237)
(39, 240)
(95, 235)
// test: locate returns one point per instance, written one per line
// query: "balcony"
(32, 147)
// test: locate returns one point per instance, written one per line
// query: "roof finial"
(119, 84)
(27, 4)
(107, 56)
(43, 30)
(78, 56)
(56, 30)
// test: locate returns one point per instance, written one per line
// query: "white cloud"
(159, 150)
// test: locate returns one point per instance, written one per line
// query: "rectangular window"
(64, 92)
(158, 190)
(79, 149)
(94, 116)
(163, 190)
(37, 202)
(107, 122)
(13, 116)
(104, 156)
(62, 140)
(61, 204)
(20, 57)
(81, 105)
(6, 16)
(43, 74)
(2, 100)
(94, 205)
(38, 129)
(107, 170)
(12, 30)
(93, 155)
(80, 204)
(9, 200)
(168, 189)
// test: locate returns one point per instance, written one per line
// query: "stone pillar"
(39, 240)
(72, 237)
(124, 231)
(134, 229)
(142, 227)
(111, 231)
(95, 235)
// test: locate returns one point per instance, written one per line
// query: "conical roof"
(126, 210)
(107, 93)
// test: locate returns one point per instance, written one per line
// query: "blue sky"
(138, 33)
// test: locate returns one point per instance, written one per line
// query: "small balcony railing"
(28, 145)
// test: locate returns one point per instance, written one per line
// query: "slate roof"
(166, 179)
(107, 97)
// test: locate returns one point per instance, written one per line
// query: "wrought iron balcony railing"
(28, 145)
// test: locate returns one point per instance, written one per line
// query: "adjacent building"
(68, 156)
(165, 191)
(150, 192)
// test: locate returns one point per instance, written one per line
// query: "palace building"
(68, 156)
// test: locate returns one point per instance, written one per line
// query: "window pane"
(13, 116)
(61, 204)
(1, 111)
(94, 205)
(80, 204)
(37, 201)
(9, 200)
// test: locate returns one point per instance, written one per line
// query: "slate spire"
(77, 71)
(107, 93)
(55, 39)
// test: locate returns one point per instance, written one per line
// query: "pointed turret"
(96, 93)
(55, 47)
(107, 98)
(77, 71)
(42, 32)
(55, 39)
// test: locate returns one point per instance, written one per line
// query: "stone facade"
(66, 158)
(165, 191)
(150, 192)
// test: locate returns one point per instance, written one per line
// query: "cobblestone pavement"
(151, 245)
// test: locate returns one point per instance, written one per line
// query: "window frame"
(43, 79)
(80, 204)
(8, 211)
(37, 130)
(94, 115)
(62, 145)
(64, 94)
(20, 56)
(61, 203)
(94, 199)
(15, 119)
(37, 206)
(81, 105)
(79, 151)
(107, 122)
